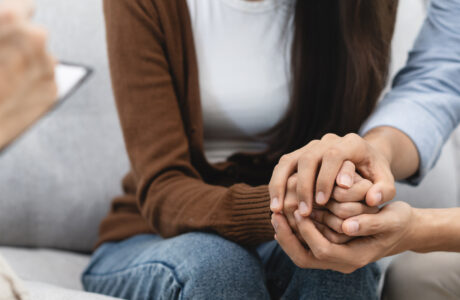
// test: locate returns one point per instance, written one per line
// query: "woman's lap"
(206, 266)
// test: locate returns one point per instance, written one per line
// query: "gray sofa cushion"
(43, 291)
(57, 181)
(59, 268)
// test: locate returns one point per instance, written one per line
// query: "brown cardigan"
(172, 189)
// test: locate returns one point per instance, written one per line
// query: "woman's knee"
(326, 284)
(193, 265)
(215, 268)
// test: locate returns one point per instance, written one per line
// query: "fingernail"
(297, 216)
(275, 225)
(378, 198)
(320, 199)
(345, 180)
(352, 226)
(303, 208)
(275, 203)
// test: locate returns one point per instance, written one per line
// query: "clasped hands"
(327, 216)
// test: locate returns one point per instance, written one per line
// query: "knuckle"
(342, 211)
(340, 194)
(275, 186)
(334, 238)
(336, 225)
(306, 158)
(332, 153)
(322, 253)
(329, 137)
(353, 137)
(284, 159)
(375, 226)
(290, 206)
(313, 143)
(292, 183)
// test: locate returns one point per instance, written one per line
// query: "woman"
(191, 80)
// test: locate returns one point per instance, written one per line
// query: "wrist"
(414, 240)
(381, 144)
(435, 230)
(397, 148)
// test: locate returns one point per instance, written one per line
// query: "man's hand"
(319, 167)
(329, 219)
(389, 232)
(27, 86)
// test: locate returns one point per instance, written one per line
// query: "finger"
(307, 169)
(290, 202)
(366, 224)
(291, 221)
(342, 258)
(356, 193)
(381, 192)
(345, 178)
(350, 209)
(278, 182)
(326, 218)
(21, 8)
(291, 244)
(332, 236)
(330, 166)
(319, 245)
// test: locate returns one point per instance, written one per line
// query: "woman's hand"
(319, 167)
(329, 219)
(27, 86)
(388, 232)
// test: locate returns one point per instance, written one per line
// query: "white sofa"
(57, 181)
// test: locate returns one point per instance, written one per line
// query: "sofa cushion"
(43, 291)
(50, 266)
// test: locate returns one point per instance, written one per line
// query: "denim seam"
(144, 264)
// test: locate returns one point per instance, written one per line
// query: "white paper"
(67, 78)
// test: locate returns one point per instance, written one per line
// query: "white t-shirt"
(243, 51)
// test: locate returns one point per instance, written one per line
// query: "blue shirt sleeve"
(425, 100)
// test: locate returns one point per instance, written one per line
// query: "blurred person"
(27, 90)
(27, 86)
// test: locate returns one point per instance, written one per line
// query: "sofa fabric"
(43, 291)
(60, 268)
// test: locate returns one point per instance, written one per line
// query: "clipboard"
(69, 78)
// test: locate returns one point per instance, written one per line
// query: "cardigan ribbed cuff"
(250, 215)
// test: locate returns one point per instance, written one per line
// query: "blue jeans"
(207, 266)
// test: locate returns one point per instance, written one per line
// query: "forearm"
(435, 230)
(397, 148)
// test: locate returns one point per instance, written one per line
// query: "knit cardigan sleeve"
(171, 194)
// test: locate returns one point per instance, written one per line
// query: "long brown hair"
(340, 60)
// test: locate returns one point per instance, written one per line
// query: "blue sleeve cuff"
(417, 123)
